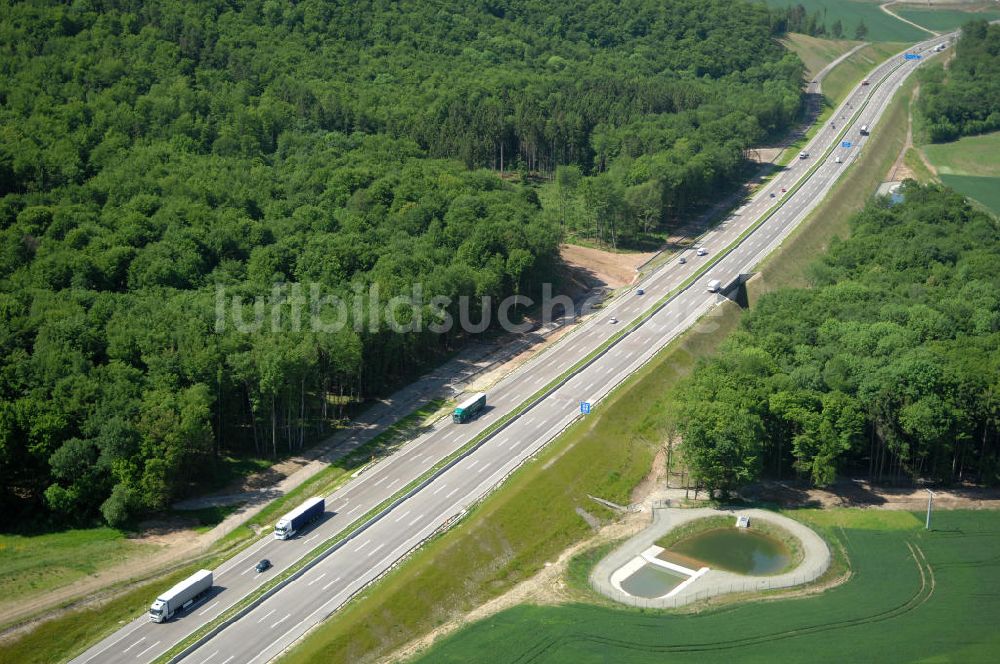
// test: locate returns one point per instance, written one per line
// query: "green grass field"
(944, 20)
(881, 26)
(32, 564)
(971, 166)
(970, 155)
(815, 52)
(64, 637)
(912, 596)
(986, 190)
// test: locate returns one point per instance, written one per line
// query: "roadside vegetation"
(65, 637)
(511, 534)
(34, 564)
(902, 580)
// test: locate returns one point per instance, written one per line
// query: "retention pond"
(738, 550)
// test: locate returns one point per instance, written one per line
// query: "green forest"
(888, 366)
(964, 99)
(154, 152)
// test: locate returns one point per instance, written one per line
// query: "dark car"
(640, 292)
(264, 565)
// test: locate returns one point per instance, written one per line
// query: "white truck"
(180, 596)
(299, 518)
(865, 130)
(714, 286)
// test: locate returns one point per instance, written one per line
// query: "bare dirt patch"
(601, 267)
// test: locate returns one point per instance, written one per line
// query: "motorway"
(284, 616)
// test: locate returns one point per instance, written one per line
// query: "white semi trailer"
(180, 596)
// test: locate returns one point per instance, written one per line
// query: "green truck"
(469, 408)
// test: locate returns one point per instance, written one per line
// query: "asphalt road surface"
(278, 621)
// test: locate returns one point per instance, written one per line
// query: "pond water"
(651, 581)
(739, 550)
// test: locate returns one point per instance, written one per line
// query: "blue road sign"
(845, 144)
(913, 56)
(585, 407)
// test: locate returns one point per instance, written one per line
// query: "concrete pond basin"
(714, 561)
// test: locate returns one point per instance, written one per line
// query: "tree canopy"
(964, 99)
(152, 153)
(888, 366)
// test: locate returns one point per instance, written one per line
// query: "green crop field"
(912, 596)
(881, 26)
(944, 20)
(970, 155)
(986, 190)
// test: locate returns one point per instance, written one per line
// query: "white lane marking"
(354, 509)
(440, 489)
(473, 464)
(134, 644)
(316, 579)
(114, 643)
(381, 480)
(512, 445)
(228, 659)
(311, 538)
(375, 549)
(363, 545)
(332, 582)
(210, 657)
(287, 616)
(209, 608)
(147, 650)
(402, 516)
(452, 492)
(393, 483)
(249, 569)
(415, 520)
(267, 616)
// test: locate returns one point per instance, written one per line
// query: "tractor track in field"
(919, 597)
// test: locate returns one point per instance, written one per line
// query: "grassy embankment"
(63, 637)
(532, 517)
(39, 563)
(816, 52)
(912, 595)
